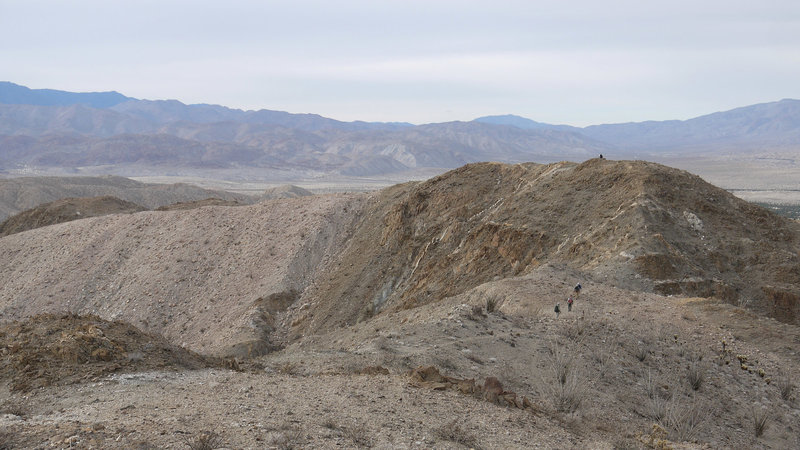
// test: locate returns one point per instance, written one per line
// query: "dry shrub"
(696, 374)
(206, 440)
(642, 351)
(568, 396)
(605, 356)
(287, 439)
(358, 435)
(684, 421)
(453, 432)
(491, 304)
(785, 384)
(760, 419)
(575, 330)
(288, 368)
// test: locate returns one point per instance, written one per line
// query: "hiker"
(601, 156)
(557, 309)
(578, 290)
(569, 303)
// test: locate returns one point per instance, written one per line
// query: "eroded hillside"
(629, 223)
(206, 278)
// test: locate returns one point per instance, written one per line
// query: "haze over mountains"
(47, 130)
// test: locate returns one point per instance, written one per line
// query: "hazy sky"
(577, 62)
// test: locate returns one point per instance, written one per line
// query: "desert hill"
(202, 277)
(19, 194)
(421, 316)
(635, 225)
(66, 210)
(48, 349)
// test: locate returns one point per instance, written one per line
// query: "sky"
(576, 62)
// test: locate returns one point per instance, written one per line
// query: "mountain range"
(43, 129)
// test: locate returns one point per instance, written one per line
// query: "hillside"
(419, 316)
(635, 225)
(19, 194)
(66, 210)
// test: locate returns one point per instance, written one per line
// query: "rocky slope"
(631, 224)
(19, 194)
(66, 210)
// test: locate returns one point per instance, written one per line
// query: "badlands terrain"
(417, 316)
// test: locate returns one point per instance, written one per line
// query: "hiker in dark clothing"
(577, 290)
(557, 309)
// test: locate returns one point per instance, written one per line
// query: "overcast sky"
(577, 62)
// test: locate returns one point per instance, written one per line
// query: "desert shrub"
(650, 385)
(604, 356)
(491, 304)
(561, 362)
(785, 385)
(453, 432)
(759, 418)
(684, 421)
(657, 408)
(477, 312)
(206, 440)
(288, 368)
(288, 438)
(641, 351)
(696, 374)
(567, 397)
(358, 435)
(656, 404)
(576, 329)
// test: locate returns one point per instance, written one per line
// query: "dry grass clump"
(642, 351)
(567, 386)
(696, 374)
(206, 440)
(358, 435)
(288, 438)
(760, 419)
(453, 432)
(491, 304)
(684, 422)
(657, 405)
(785, 385)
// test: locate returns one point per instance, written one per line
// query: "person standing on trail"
(578, 290)
(569, 303)
(557, 309)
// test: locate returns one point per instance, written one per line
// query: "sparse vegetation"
(491, 304)
(684, 421)
(785, 385)
(288, 437)
(696, 374)
(205, 440)
(358, 435)
(759, 418)
(453, 432)
(642, 351)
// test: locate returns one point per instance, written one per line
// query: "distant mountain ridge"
(99, 130)
(15, 94)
